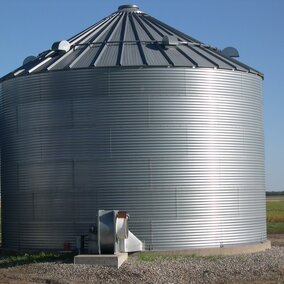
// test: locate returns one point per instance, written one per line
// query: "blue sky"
(254, 27)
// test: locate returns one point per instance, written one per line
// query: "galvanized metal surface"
(180, 149)
(130, 37)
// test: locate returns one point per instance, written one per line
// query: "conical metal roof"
(129, 37)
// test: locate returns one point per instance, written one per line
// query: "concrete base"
(226, 250)
(110, 260)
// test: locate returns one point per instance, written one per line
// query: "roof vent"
(29, 59)
(63, 45)
(168, 41)
(230, 52)
(128, 8)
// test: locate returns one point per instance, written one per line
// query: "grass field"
(275, 214)
(8, 259)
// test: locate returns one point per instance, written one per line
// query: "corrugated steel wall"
(180, 149)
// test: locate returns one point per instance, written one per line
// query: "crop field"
(275, 214)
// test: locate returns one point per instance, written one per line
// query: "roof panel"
(229, 61)
(177, 59)
(142, 34)
(109, 28)
(157, 27)
(220, 63)
(116, 35)
(109, 56)
(94, 33)
(131, 55)
(65, 61)
(151, 29)
(196, 57)
(153, 55)
(86, 58)
(88, 30)
(129, 33)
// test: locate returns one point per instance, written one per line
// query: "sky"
(254, 27)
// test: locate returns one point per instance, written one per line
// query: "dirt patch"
(276, 239)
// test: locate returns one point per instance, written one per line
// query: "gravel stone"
(262, 267)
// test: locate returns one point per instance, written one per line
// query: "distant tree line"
(269, 193)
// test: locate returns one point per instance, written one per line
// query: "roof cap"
(128, 8)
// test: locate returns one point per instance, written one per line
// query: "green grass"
(155, 256)
(8, 259)
(149, 257)
(275, 214)
(275, 228)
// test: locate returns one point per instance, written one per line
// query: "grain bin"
(132, 114)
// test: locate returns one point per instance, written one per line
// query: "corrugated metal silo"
(132, 114)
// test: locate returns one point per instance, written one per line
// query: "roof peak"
(128, 8)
